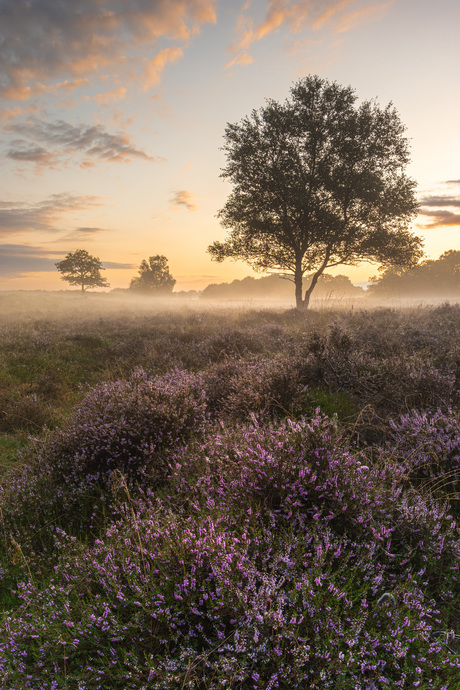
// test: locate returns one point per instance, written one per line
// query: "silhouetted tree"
(154, 277)
(317, 182)
(80, 268)
(432, 277)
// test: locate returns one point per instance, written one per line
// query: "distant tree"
(317, 182)
(154, 277)
(432, 277)
(80, 268)
(274, 287)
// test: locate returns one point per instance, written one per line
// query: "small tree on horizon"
(154, 277)
(80, 268)
(318, 182)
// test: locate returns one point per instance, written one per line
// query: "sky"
(112, 116)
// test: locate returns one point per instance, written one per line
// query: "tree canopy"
(318, 182)
(154, 277)
(80, 268)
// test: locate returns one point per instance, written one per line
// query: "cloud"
(443, 201)
(241, 59)
(442, 210)
(66, 138)
(439, 219)
(156, 65)
(78, 234)
(44, 41)
(43, 216)
(183, 198)
(336, 15)
(110, 96)
(16, 260)
(22, 152)
(114, 264)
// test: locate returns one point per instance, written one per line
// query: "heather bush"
(242, 574)
(393, 383)
(132, 426)
(129, 425)
(261, 386)
(306, 471)
(427, 444)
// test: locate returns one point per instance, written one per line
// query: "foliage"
(317, 182)
(431, 277)
(154, 277)
(80, 268)
(429, 445)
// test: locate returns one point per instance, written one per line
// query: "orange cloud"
(442, 210)
(110, 96)
(440, 219)
(10, 114)
(183, 198)
(86, 36)
(242, 59)
(156, 65)
(338, 15)
(353, 19)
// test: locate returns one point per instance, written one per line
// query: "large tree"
(80, 268)
(154, 277)
(318, 181)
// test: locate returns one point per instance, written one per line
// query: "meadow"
(231, 498)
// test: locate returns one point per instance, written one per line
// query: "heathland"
(228, 498)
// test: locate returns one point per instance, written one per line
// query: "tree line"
(431, 277)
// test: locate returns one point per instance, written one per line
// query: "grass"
(209, 499)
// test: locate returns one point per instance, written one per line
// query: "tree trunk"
(298, 282)
(314, 280)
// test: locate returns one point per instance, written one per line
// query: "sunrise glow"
(111, 132)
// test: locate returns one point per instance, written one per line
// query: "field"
(231, 498)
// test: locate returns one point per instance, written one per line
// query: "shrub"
(132, 426)
(260, 386)
(428, 446)
(128, 425)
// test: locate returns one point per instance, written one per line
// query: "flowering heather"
(427, 444)
(206, 528)
(129, 425)
(262, 561)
